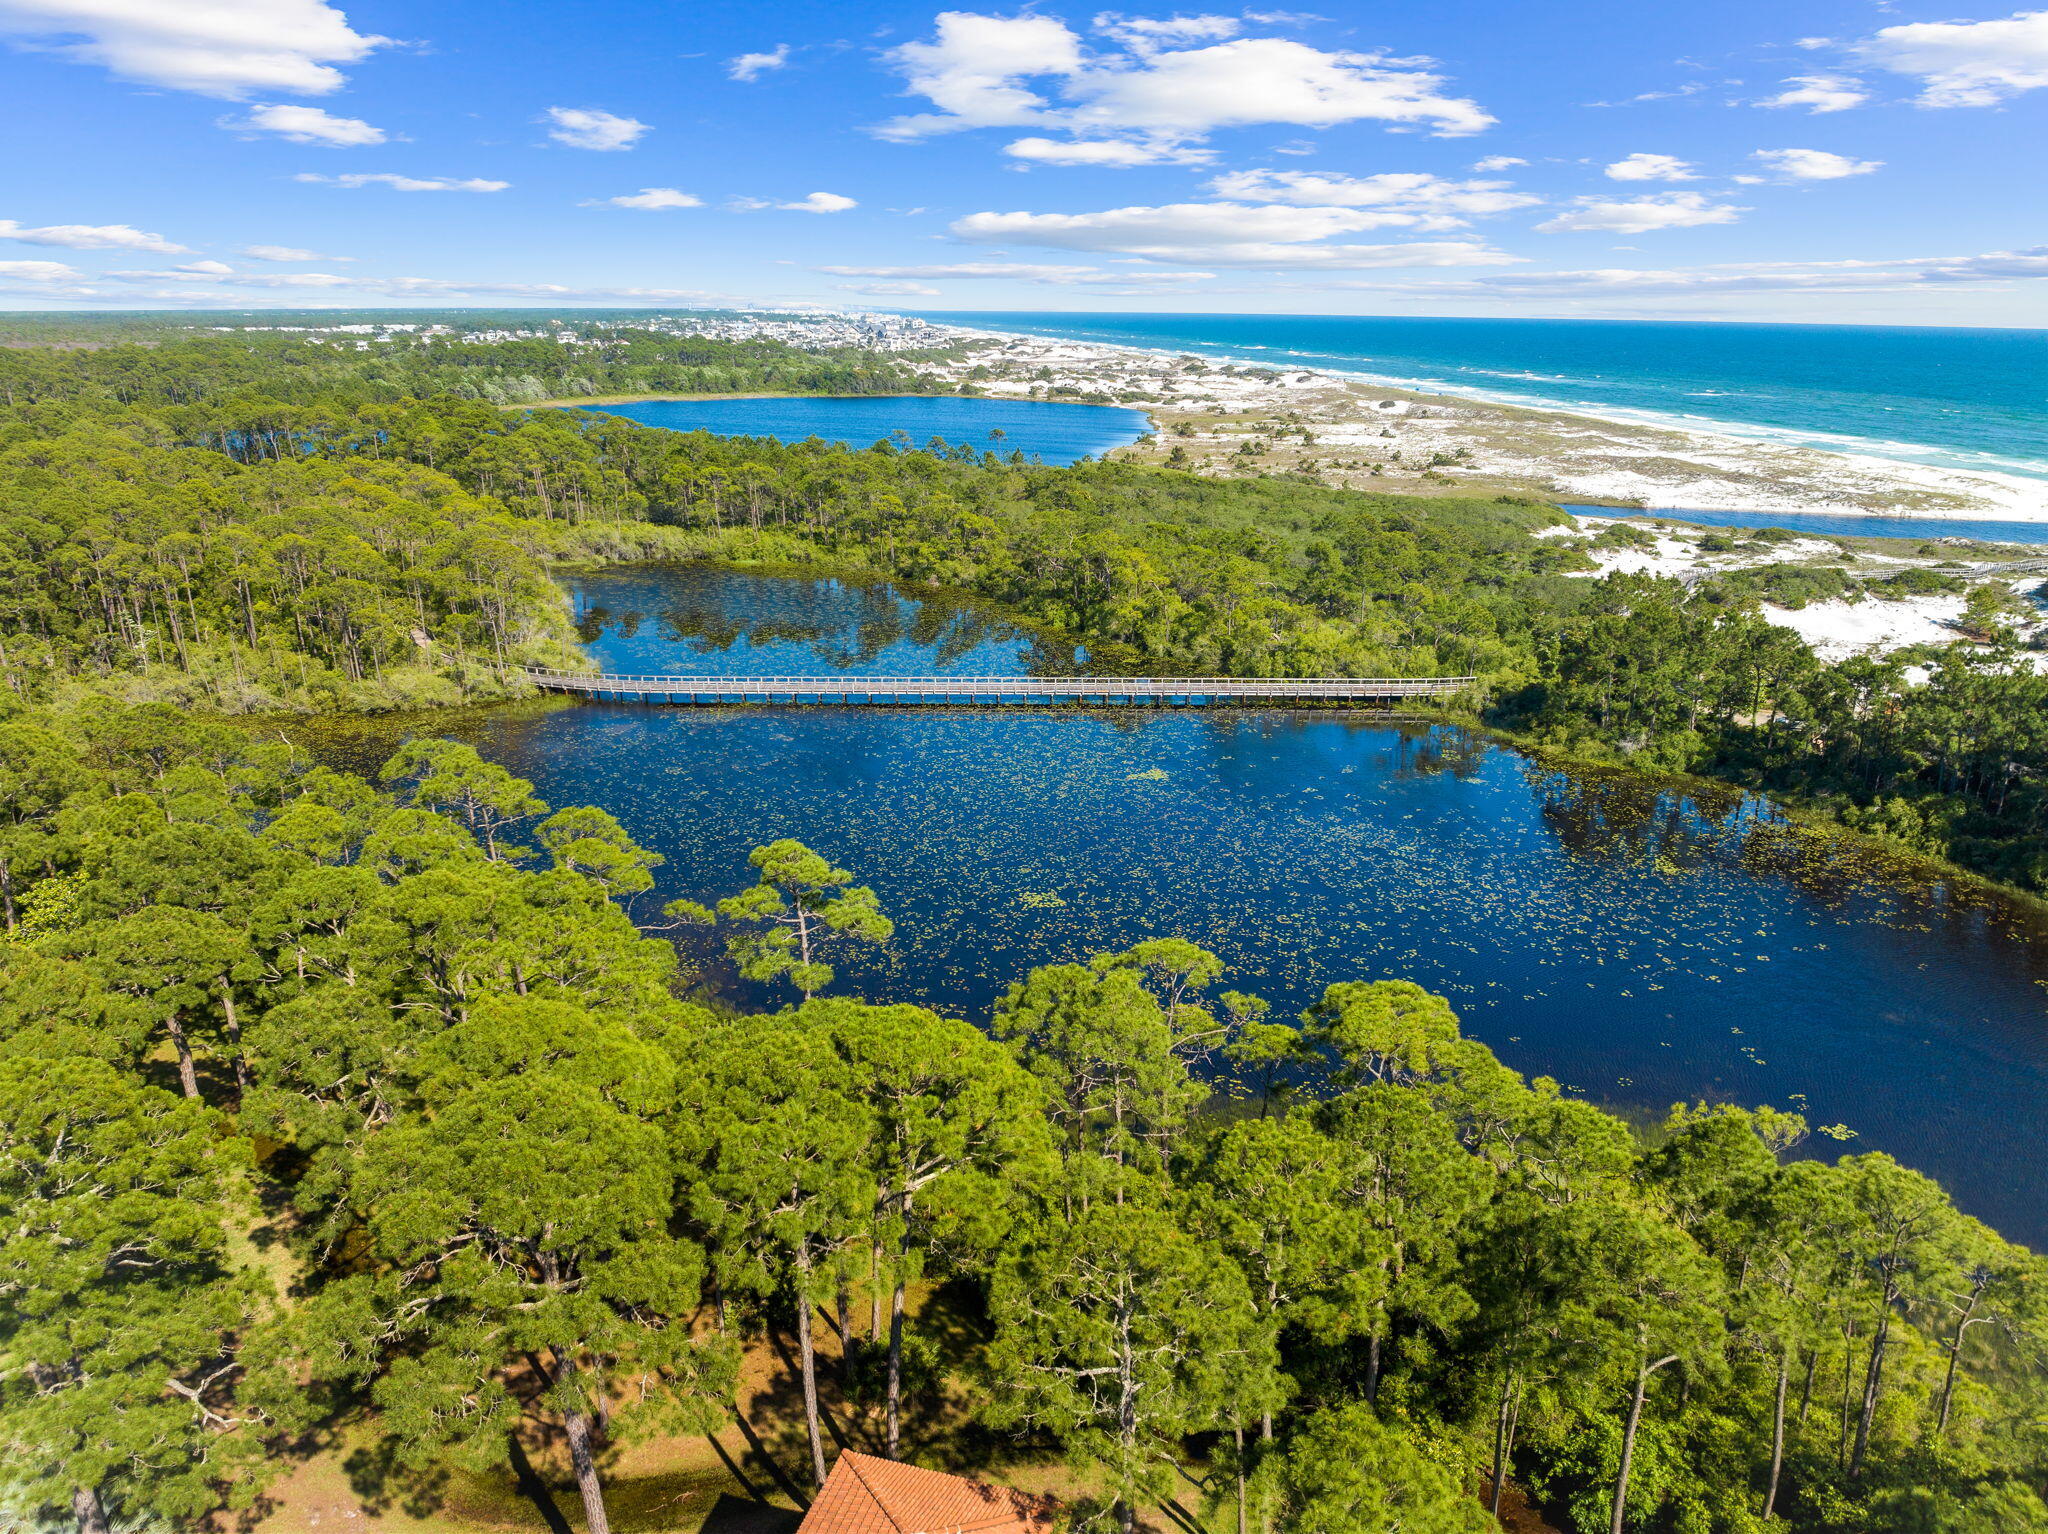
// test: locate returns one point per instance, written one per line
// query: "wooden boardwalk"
(884, 690)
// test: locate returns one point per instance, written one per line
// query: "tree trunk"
(1955, 1353)
(1848, 1375)
(896, 1331)
(1628, 1440)
(1500, 1445)
(1873, 1379)
(1127, 1405)
(875, 1290)
(1778, 1433)
(234, 1028)
(90, 1512)
(584, 1462)
(188, 1078)
(576, 1425)
(810, 1374)
(1372, 1368)
(895, 1364)
(1238, 1432)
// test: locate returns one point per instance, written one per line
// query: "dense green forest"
(341, 1105)
(250, 523)
(501, 1179)
(262, 369)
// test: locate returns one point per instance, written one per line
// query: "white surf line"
(1828, 482)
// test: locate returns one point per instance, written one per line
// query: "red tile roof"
(867, 1495)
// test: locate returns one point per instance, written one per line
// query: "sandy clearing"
(1838, 629)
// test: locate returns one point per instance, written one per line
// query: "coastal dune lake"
(1641, 942)
(1049, 431)
(1056, 432)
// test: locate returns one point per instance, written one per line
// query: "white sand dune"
(1575, 456)
(1837, 630)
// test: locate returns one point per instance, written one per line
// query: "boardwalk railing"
(994, 689)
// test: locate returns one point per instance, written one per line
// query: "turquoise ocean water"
(1966, 399)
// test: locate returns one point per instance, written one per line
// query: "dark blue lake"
(1042, 429)
(1642, 944)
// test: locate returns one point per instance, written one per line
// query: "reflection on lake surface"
(691, 620)
(1641, 944)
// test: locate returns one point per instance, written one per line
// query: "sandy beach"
(1246, 417)
(1230, 418)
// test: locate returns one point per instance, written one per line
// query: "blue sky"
(1832, 160)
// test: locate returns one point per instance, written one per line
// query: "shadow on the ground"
(535, 1489)
(736, 1515)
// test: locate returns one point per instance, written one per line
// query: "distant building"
(867, 1495)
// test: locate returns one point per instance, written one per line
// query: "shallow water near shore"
(1645, 943)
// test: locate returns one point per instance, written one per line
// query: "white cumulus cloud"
(174, 274)
(1109, 153)
(1142, 34)
(1023, 271)
(308, 125)
(1412, 198)
(286, 253)
(38, 271)
(1268, 80)
(816, 202)
(983, 71)
(1495, 162)
(751, 66)
(650, 199)
(1748, 277)
(1651, 167)
(302, 280)
(1666, 210)
(406, 183)
(187, 289)
(88, 237)
(224, 48)
(888, 289)
(1964, 63)
(588, 128)
(1819, 93)
(820, 202)
(1223, 234)
(1813, 164)
(974, 70)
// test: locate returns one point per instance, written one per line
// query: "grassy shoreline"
(1803, 814)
